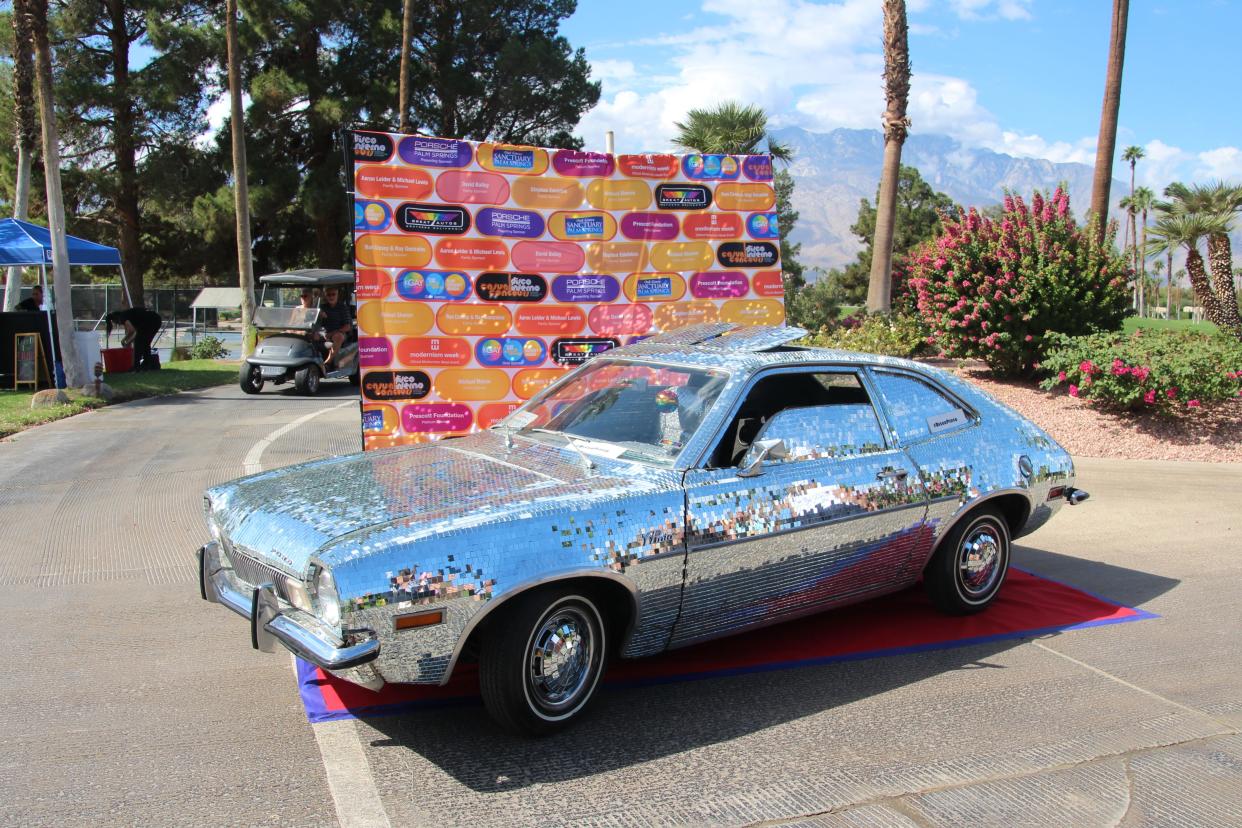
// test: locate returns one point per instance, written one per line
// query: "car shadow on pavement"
(627, 726)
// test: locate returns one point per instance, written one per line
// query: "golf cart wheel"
(306, 380)
(251, 378)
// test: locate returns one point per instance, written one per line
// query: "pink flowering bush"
(1163, 371)
(995, 289)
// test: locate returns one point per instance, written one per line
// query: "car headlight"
(327, 600)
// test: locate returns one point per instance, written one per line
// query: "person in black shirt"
(337, 322)
(33, 302)
(142, 325)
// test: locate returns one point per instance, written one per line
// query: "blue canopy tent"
(23, 244)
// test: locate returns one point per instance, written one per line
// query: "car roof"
(313, 276)
(745, 347)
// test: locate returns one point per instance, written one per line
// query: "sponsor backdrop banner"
(487, 270)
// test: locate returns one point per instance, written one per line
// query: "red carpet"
(901, 623)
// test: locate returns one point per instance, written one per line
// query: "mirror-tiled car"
(699, 483)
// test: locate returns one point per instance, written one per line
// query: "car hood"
(289, 514)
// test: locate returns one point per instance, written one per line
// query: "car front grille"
(255, 572)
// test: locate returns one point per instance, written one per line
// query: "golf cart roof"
(310, 277)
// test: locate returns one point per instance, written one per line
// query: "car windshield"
(621, 409)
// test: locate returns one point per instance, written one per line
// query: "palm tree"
(1140, 203)
(26, 133)
(36, 11)
(1106, 144)
(403, 86)
(1131, 155)
(241, 190)
(1127, 206)
(1157, 267)
(1220, 202)
(730, 129)
(896, 127)
(1176, 229)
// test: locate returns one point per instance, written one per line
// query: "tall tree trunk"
(125, 198)
(1172, 278)
(322, 200)
(896, 126)
(241, 190)
(75, 373)
(403, 88)
(26, 134)
(1140, 256)
(1106, 144)
(1202, 286)
(1220, 259)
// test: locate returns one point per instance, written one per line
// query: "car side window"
(916, 410)
(822, 431)
(786, 390)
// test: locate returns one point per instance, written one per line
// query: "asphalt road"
(129, 701)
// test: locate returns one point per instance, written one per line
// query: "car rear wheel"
(970, 564)
(540, 667)
(250, 378)
(306, 380)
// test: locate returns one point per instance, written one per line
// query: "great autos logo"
(439, 219)
(683, 197)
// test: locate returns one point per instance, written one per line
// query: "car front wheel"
(970, 564)
(539, 669)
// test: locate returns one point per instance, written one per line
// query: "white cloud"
(1222, 163)
(988, 9)
(612, 70)
(815, 65)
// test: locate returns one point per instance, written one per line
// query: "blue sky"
(1024, 77)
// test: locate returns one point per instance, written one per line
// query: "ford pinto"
(699, 483)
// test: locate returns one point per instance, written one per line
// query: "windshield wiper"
(572, 443)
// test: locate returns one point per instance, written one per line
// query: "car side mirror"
(759, 451)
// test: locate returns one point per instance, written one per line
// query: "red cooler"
(117, 360)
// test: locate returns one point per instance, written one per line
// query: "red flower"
(1150, 397)
(1073, 390)
(1087, 367)
(1171, 393)
(1192, 404)
(1119, 368)
(1061, 377)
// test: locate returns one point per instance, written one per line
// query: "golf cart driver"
(312, 340)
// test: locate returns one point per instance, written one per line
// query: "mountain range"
(832, 171)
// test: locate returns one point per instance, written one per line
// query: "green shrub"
(1160, 370)
(993, 288)
(896, 335)
(815, 306)
(209, 347)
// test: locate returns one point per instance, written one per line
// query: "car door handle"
(893, 474)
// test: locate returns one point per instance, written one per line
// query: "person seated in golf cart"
(337, 320)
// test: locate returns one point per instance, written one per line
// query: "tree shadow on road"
(628, 726)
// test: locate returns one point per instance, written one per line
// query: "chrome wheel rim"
(980, 560)
(561, 658)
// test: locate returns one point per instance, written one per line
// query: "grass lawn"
(16, 414)
(1133, 323)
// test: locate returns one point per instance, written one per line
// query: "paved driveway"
(127, 700)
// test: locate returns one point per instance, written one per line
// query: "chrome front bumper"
(300, 632)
